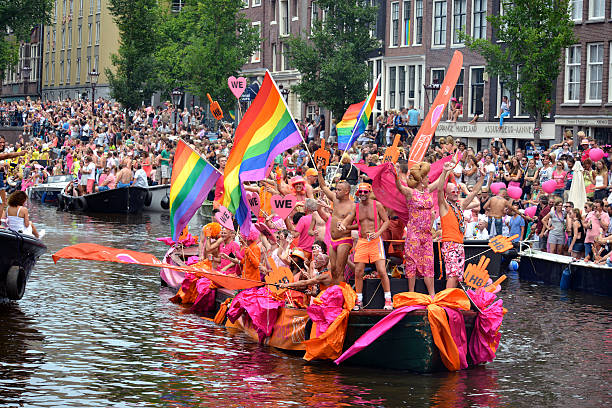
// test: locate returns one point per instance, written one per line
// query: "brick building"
(19, 83)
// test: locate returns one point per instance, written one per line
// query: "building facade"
(19, 83)
(584, 94)
(80, 39)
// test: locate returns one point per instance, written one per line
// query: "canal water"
(91, 334)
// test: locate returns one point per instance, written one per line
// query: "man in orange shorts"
(369, 248)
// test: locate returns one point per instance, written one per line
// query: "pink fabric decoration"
(192, 260)
(206, 296)
(166, 240)
(485, 336)
(260, 306)
(189, 240)
(457, 326)
(330, 308)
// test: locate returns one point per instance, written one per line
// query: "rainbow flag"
(266, 130)
(192, 179)
(355, 120)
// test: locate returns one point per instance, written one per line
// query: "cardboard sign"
(278, 276)
(392, 152)
(225, 218)
(215, 108)
(283, 206)
(254, 202)
(237, 85)
(501, 244)
(476, 276)
(321, 156)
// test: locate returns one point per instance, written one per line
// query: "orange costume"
(252, 257)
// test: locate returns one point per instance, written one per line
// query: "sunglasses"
(363, 192)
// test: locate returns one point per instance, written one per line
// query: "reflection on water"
(94, 334)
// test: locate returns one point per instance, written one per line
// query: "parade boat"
(158, 199)
(565, 272)
(18, 255)
(123, 200)
(49, 191)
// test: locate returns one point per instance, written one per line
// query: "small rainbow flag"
(192, 179)
(266, 130)
(355, 120)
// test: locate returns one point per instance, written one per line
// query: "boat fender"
(80, 203)
(148, 198)
(565, 278)
(15, 283)
(165, 202)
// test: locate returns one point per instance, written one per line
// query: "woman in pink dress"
(418, 247)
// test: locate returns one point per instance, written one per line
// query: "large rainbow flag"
(266, 130)
(192, 179)
(355, 120)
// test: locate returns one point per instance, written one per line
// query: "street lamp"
(25, 72)
(284, 91)
(177, 95)
(430, 89)
(93, 79)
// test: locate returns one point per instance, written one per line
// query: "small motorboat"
(49, 191)
(18, 255)
(125, 200)
(159, 198)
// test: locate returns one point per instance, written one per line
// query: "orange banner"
(426, 132)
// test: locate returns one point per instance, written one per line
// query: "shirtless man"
(341, 241)
(495, 208)
(124, 177)
(369, 248)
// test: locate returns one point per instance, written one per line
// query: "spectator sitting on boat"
(477, 229)
(17, 216)
(124, 177)
(140, 176)
(107, 180)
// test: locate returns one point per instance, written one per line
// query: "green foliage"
(20, 16)
(203, 45)
(333, 60)
(533, 35)
(134, 78)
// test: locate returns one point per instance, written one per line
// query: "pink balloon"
(596, 154)
(549, 186)
(515, 192)
(530, 211)
(495, 187)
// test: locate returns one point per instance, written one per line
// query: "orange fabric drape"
(220, 316)
(454, 298)
(329, 345)
(265, 198)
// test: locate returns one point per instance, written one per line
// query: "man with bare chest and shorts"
(372, 221)
(124, 177)
(341, 241)
(496, 209)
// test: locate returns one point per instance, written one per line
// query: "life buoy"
(148, 198)
(80, 203)
(165, 202)
(15, 282)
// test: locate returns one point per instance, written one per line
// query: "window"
(55, 11)
(256, 57)
(69, 37)
(88, 68)
(64, 9)
(402, 86)
(54, 38)
(476, 90)
(572, 74)
(78, 70)
(34, 58)
(285, 57)
(314, 14)
(284, 17)
(458, 92)
(52, 72)
(378, 71)
(610, 75)
(91, 7)
(63, 38)
(392, 72)
(97, 32)
(294, 9)
(99, 6)
(89, 34)
(406, 26)
(80, 8)
(459, 8)
(594, 72)
(256, 3)
(394, 24)
(479, 20)
(47, 72)
(61, 81)
(68, 66)
(274, 66)
(437, 76)
(80, 35)
(177, 5)
(96, 59)
(576, 10)
(71, 6)
(596, 9)
(411, 84)
(418, 22)
(502, 91)
(439, 31)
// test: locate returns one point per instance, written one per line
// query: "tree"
(134, 78)
(203, 45)
(17, 19)
(533, 35)
(332, 61)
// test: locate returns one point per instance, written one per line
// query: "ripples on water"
(96, 334)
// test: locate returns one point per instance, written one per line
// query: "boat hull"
(158, 199)
(126, 200)
(18, 255)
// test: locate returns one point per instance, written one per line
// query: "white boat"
(158, 198)
(50, 190)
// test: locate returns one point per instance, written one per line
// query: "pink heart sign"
(225, 218)
(237, 85)
(254, 202)
(436, 114)
(283, 205)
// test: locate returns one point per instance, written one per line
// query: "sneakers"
(388, 305)
(358, 306)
